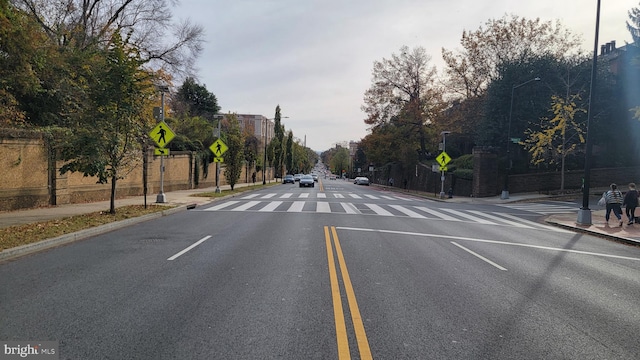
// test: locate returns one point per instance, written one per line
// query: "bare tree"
(147, 23)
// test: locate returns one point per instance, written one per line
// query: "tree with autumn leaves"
(408, 105)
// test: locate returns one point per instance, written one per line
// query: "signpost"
(161, 134)
(218, 148)
(443, 159)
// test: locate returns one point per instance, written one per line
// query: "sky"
(314, 58)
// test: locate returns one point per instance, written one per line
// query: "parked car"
(307, 180)
(288, 179)
(362, 180)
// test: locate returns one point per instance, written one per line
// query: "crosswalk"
(544, 209)
(257, 203)
(323, 195)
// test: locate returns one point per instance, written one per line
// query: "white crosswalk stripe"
(323, 207)
(378, 209)
(372, 197)
(286, 195)
(296, 206)
(408, 212)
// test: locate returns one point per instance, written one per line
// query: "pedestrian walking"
(631, 203)
(614, 201)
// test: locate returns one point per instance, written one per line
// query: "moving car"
(288, 179)
(307, 180)
(362, 180)
(297, 177)
(315, 177)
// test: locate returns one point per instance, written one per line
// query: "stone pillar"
(485, 172)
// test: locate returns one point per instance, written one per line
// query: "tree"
(560, 136)
(510, 39)
(339, 161)
(403, 91)
(21, 60)
(111, 144)
(289, 152)
(234, 157)
(278, 142)
(195, 100)
(84, 24)
(633, 25)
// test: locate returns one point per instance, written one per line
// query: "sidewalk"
(183, 199)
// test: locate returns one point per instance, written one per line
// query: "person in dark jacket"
(614, 200)
(631, 203)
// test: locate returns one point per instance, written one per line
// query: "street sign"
(160, 152)
(162, 134)
(443, 159)
(218, 148)
(218, 159)
(443, 168)
(515, 140)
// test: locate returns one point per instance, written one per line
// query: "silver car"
(362, 180)
(307, 180)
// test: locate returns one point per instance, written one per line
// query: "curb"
(27, 249)
(578, 229)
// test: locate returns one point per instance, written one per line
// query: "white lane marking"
(271, 206)
(437, 214)
(470, 217)
(388, 197)
(296, 206)
(535, 224)
(286, 195)
(355, 196)
(505, 221)
(378, 210)
(322, 196)
(372, 197)
(489, 242)
(189, 248)
(349, 208)
(268, 196)
(221, 206)
(323, 207)
(251, 196)
(304, 195)
(338, 196)
(246, 205)
(479, 256)
(408, 212)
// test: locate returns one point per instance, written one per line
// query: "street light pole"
(505, 191)
(584, 214)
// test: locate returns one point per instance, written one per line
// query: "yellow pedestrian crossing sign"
(218, 159)
(218, 148)
(162, 134)
(443, 159)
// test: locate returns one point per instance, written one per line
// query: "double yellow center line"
(341, 328)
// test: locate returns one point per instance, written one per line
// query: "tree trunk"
(112, 205)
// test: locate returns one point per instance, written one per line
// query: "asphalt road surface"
(333, 272)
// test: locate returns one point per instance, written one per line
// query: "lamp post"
(584, 214)
(444, 148)
(505, 190)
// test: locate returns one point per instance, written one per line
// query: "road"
(333, 272)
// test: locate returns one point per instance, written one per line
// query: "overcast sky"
(314, 57)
